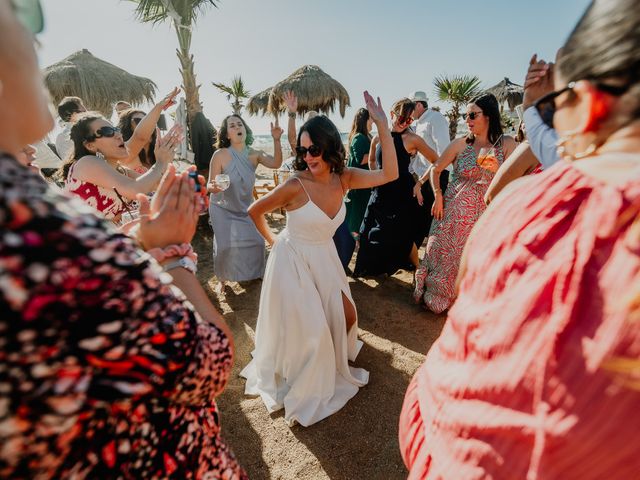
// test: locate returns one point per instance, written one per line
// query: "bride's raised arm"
(358, 178)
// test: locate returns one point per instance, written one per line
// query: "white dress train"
(300, 361)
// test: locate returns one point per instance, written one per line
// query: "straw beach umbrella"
(507, 91)
(259, 102)
(98, 83)
(315, 91)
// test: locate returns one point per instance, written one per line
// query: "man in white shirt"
(68, 109)
(430, 125)
(434, 128)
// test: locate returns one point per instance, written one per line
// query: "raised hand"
(172, 216)
(376, 112)
(169, 99)
(538, 82)
(276, 130)
(291, 101)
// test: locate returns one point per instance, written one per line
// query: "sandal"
(419, 278)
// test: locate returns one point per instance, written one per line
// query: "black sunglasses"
(136, 120)
(546, 105)
(314, 151)
(471, 115)
(104, 132)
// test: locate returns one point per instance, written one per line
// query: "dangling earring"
(99, 155)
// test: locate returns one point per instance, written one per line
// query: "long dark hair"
(80, 131)
(605, 46)
(359, 124)
(127, 132)
(488, 103)
(325, 135)
(223, 140)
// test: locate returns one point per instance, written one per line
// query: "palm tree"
(457, 90)
(237, 91)
(184, 14)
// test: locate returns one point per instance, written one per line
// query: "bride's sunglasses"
(313, 150)
(108, 132)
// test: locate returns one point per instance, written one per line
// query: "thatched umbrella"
(507, 91)
(315, 91)
(98, 83)
(259, 102)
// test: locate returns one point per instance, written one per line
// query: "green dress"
(358, 199)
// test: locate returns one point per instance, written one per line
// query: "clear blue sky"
(389, 48)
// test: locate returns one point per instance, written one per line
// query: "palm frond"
(456, 89)
(158, 11)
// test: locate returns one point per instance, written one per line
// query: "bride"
(307, 324)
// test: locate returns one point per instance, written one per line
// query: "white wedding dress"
(300, 361)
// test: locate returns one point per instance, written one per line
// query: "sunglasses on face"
(403, 119)
(471, 115)
(104, 132)
(313, 150)
(546, 105)
(136, 120)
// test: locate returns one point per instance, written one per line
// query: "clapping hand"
(165, 146)
(376, 112)
(291, 101)
(172, 215)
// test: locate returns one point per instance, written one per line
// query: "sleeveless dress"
(300, 361)
(463, 205)
(102, 199)
(521, 383)
(239, 252)
(389, 226)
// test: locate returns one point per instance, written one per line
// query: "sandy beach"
(360, 441)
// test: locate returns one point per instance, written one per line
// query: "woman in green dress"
(359, 144)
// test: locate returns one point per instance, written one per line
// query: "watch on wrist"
(292, 114)
(182, 262)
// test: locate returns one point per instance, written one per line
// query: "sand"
(358, 442)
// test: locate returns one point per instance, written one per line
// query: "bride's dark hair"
(324, 134)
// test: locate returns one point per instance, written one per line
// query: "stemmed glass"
(222, 182)
(488, 161)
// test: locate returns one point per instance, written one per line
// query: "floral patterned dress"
(463, 205)
(105, 369)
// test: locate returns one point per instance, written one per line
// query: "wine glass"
(488, 161)
(222, 181)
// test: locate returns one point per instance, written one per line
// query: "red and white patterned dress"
(102, 199)
(463, 205)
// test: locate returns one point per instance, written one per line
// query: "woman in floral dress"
(464, 202)
(106, 370)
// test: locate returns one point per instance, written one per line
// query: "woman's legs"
(349, 312)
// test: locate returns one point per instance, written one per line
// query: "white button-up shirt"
(542, 139)
(434, 128)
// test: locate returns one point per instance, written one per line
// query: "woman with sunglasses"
(307, 329)
(106, 369)
(95, 172)
(130, 120)
(535, 374)
(391, 233)
(239, 253)
(455, 215)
